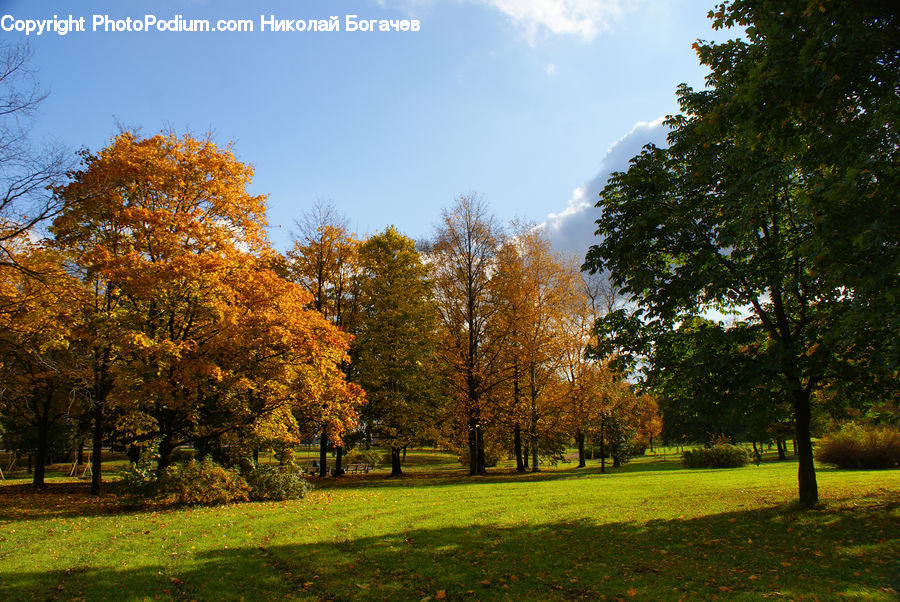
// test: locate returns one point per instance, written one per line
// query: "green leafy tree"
(396, 341)
(731, 215)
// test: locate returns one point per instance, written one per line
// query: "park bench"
(362, 467)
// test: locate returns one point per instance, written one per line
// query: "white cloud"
(582, 18)
(550, 69)
(572, 229)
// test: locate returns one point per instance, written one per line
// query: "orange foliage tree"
(325, 262)
(38, 372)
(197, 337)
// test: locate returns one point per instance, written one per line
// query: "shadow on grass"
(778, 551)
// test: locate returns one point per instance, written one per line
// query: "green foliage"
(717, 456)
(365, 456)
(395, 344)
(619, 436)
(277, 483)
(857, 447)
(711, 379)
(139, 480)
(203, 483)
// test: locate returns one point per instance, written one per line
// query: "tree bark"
(806, 472)
(323, 455)
(525, 456)
(338, 470)
(579, 436)
(517, 445)
(602, 449)
(97, 451)
(482, 462)
(41, 460)
(782, 446)
(165, 454)
(396, 469)
(473, 446)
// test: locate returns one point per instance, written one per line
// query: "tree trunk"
(323, 455)
(396, 469)
(602, 449)
(782, 447)
(256, 456)
(525, 456)
(29, 463)
(404, 452)
(97, 451)
(579, 436)
(757, 457)
(806, 472)
(533, 430)
(164, 451)
(41, 460)
(482, 461)
(517, 445)
(473, 446)
(338, 470)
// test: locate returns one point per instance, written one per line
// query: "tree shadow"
(773, 552)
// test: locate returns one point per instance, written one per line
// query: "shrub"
(857, 447)
(202, 483)
(717, 456)
(277, 483)
(365, 456)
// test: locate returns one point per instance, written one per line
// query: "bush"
(857, 447)
(277, 483)
(717, 456)
(202, 483)
(365, 456)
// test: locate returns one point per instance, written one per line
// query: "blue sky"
(522, 101)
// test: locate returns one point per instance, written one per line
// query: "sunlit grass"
(650, 530)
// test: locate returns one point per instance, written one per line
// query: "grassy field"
(650, 530)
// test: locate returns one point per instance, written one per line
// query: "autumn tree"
(396, 341)
(324, 260)
(37, 370)
(534, 287)
(194, 336)
(464, 258)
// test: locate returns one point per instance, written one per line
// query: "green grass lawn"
(650, 530)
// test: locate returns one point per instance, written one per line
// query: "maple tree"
(196, 337)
